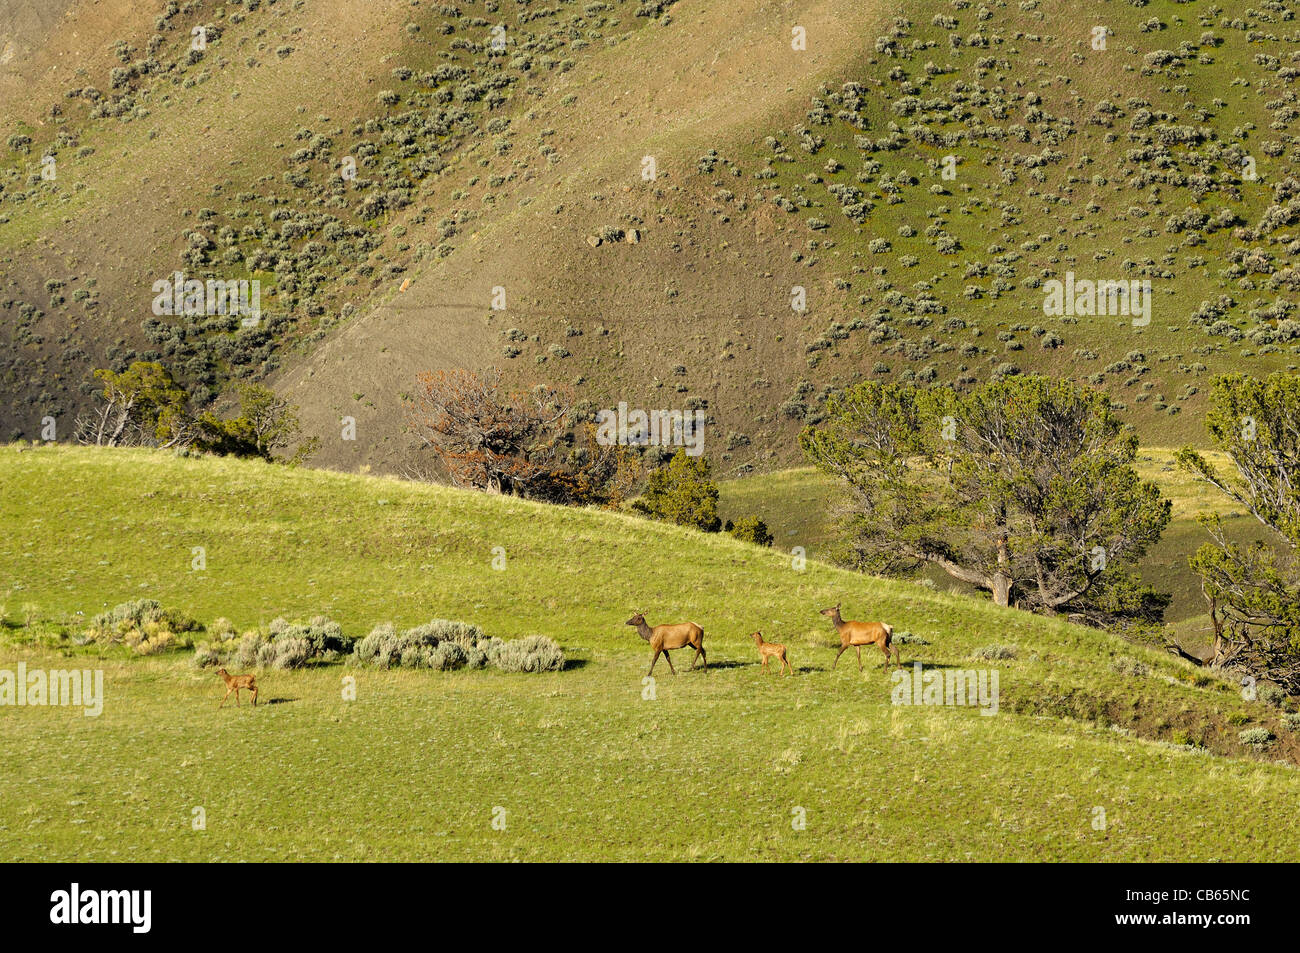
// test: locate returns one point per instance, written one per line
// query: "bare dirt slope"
(716, 75)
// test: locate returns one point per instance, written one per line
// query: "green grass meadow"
(590, 763)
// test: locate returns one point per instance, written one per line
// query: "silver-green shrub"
(281, 645)
(532, 653)
(441, 644)
(445, 645)
(993, 653)
(1257, 738)
(143, 625)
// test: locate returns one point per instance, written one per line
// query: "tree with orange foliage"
(516, 442)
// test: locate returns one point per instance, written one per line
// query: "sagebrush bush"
(1256, 737)
(143, 625)
(1291, 721)
(907, 638)
(1130, 666)
(1271, 694)
(993, 653)
(281, 645)
(441, 644)
(445, 645)
(324, 636)
(532, 653)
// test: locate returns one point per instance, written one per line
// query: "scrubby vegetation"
(313, 224)
(751, 529)
(683, 492)
(445, 645)
(142, 625)
(439, 645)
(281, 645)
(144, 406)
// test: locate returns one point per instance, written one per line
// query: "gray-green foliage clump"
(908, 638)
(1257, 738)
(282, 645)
(445, 645)
(1125, 665)
(143, 625)
(442, 645)
(532, 653)
(994, 653)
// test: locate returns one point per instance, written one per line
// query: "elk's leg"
(223, 698)
(705, 656)
(837, 657)
(653, 662)
(859, 648)
(238, 703)
(254, 697)
(885, 648)
(669, 659)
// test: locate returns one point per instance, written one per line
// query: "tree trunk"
(1002, 582)
(1001, 590)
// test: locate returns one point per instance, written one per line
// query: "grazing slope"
(715, 766)
(1164, 157)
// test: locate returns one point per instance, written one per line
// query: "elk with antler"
(858, 634)
(663, 638)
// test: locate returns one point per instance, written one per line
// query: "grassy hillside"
(715, 767)
(1165, 156)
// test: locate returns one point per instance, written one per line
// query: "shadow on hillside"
(573, 664)
(724, 663)
(277, 701)
(875, 665)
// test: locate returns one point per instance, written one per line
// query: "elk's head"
(222, 672)
(832, 612)
(757, 637)
(637, 620)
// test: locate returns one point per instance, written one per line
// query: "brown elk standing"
(858, 634)
(662, 638)
(234, 683)
(768, 650)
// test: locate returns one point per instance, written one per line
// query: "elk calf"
(767, 650)
(858, 634)
(234, 683)
(662, 638)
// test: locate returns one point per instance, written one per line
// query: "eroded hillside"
(923, 174)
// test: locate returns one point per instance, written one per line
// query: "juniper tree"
(140, 405)
(1023, 488)
(684, 493)
(1253, 588)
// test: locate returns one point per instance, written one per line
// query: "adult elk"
(663, 638)
(858, 634)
